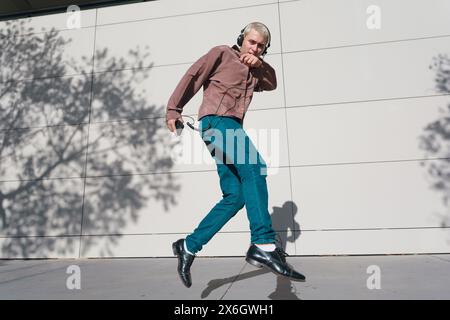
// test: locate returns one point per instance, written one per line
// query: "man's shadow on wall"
(282, 223)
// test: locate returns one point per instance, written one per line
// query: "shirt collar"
(236, 50)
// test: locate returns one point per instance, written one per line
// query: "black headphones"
(240, 39)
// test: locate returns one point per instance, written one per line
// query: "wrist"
(260, 61)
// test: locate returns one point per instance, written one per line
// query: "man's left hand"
(251, 60)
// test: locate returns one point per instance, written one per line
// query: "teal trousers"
(242, 172)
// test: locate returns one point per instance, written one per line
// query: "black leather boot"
(184, 262)
(275, 261)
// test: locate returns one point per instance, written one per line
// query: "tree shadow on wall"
(46, 120)
(435, 140)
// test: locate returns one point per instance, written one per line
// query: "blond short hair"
(260, 28)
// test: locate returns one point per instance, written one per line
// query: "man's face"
(253, 43)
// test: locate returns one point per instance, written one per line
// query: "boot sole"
(174, 249)
(254, 263)
(260, 265)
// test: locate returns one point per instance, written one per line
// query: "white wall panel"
(58, 21)
(7, 59)
(363, 131)
(54, 152)
(144, 146)
(365, 196)
(374, 242)
(169, 8)
(151, 89)
(167, 203)
(148, 146)
(235, 244)
(313, 24)
(40, 248)
(41, 208)
(128, 245)
(7, 100)
(133, 205)
(175, 46)
(160, 245)
(45, 102)
(370, 72)
(69, 52)
(358, 102)
(267, 130)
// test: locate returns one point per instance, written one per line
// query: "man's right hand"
(251, 60)
(171, 124)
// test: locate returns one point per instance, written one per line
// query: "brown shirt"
(228, 84)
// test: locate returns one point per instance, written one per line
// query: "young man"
(229, 76)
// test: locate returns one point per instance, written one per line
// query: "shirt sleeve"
(191, 82)
(267, 79)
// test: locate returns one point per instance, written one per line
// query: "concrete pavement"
(327, 277)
